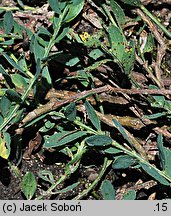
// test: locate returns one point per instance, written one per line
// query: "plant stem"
(56, 31)
(51, 43)
(9, 8)
(10, 117)
(109, 15)
(106, 164)
(14, 111)
(156, 21)
(78, 123)
(89, 129)
(140, 159)
(75, 162)
(62, 178)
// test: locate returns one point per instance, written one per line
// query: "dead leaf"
(32, 146)
(152, 196)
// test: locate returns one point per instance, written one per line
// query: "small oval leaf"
(92, 115)
(19, 81)
(62, 138)
(123, 162)
(130, 195)
(29, 185)
(8, 22)
(70, 111)
(5, 105)
(107, 190)
(99, 140)
(57, 6)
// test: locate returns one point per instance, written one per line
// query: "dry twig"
(161, 48)
(53, 104)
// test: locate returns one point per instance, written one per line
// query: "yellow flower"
(84, 36)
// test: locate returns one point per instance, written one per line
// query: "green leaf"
(153, 172)
(161, 150)
(92, 115)
(1, 119)
(18, 116)
(150, 44)
(57, 6)
(156, 115)
(70, 111)
(6, 76)
(23, 64)
(5, 141)
(92, 41)
(118, 12)
(167, 106)
(38, 69)
(12, 62)
(8, 22)
(98, 140)
(107, 190)
(46, 76)
(62, 35)
(36, 48)
(56, 22)
(123, 162)
(112, 150)
(62, 138)
(96, 53)
(167, 167)
(44, 31)
(18, 30)
(5, 105)
(29, 185)
(121, 130)
(117, 42)
(42, 42)
(67, 189)
(13, 96)
(159, 99)
(7, 42)
(59, 57)
(83, 77)
(72, 61)
(46, 175)
(128, 58)
(130, 195)
(28, 124)
(19, 81)
(136, 3)
(48, 126)
(2, 92)
(74, 9)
